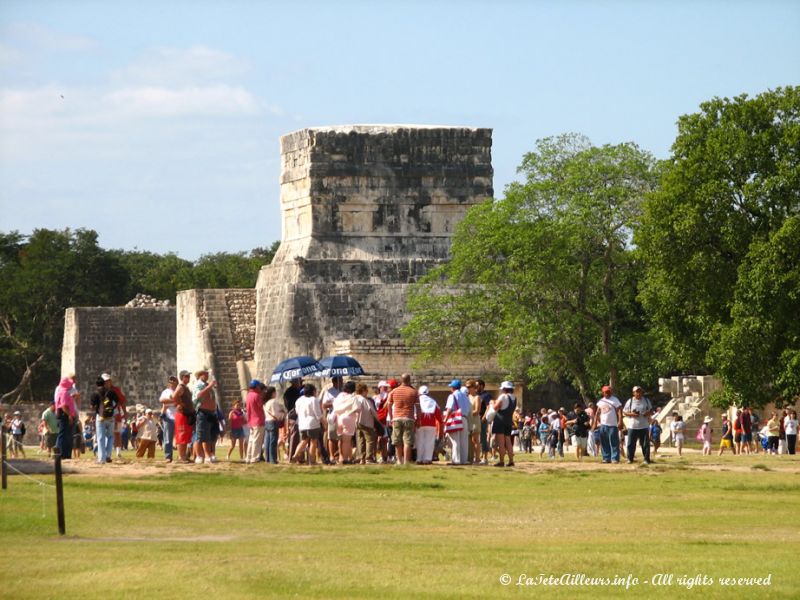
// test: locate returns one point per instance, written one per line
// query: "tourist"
(274, 418)
(206, 406)
(185, 416)
(790, 426)
(655, 434)
(50, 422)
(593, 445)
(559, 418)
(525, 435)
(678, 428)
(236, 420)
(78, 444)
(383, 429)
(637, 412)
(119, 413)
(430, 424)
(554, 437)
(104, 402)
(326, 400)
(403, 401)
(782, 448)
(346, 409)
(608, 417)
(474, 421)
(88, 434)
(309, 421)
(504, 405)
(168, 411)
(774, 430)
(18, 430)
(747, 429)
(580, 430)
(486, 399)
(726, 441)
(66, 395)
(544, 433)
(705, 435)
(291, 430)
(367, 421)
(254, 407)
(456, 425)
(148, 434)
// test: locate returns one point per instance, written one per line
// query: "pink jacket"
(64, 398)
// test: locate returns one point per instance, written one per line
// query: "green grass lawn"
(236, 531)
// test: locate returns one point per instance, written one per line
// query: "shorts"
(747, 437)
(237, 434)
(580, 442)
(50, 440)
(206, 424)
(310, 434)
(403, 432)
(183, 431)
(500, 428)
(726, 444)
(333, 434)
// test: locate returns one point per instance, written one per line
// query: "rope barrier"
(41, 484)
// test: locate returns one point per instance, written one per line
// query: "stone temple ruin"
(366, 211)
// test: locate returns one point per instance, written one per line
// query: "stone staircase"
(220, 346)
(689, 399)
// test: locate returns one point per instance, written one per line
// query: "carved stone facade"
(367, 211)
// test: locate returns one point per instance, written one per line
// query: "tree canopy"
(48, 271)
(544, 278)
(723, 209)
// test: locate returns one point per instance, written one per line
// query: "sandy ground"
(666, 460)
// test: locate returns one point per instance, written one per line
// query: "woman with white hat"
(429, 427)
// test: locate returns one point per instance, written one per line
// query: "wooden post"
(62, 528)
(5, 473)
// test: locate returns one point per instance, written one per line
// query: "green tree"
(545, 278)
(732, 181)
(42, 275)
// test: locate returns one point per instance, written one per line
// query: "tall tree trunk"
(13, 396)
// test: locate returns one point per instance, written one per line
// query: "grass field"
(237, 531)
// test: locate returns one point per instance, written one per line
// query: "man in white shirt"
(638, 411)
(608, 416)
(168, 415)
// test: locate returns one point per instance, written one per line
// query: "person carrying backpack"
(104, 401)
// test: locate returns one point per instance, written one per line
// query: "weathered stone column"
(366, 211)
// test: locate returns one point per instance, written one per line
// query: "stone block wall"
(216, 329)
(135, 345)
(367, 211)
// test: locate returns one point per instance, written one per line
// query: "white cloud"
(41, 36)
(216, 100)
(181, 67)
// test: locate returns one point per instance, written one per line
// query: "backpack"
(108, 406)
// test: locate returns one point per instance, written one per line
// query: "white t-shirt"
(166, 395)
(608, 410)
(309, 413)
(790, 425)
(554, 419)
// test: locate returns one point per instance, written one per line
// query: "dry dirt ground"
(666, 460)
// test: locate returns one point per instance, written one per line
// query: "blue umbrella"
(297, 366)
(339, 366)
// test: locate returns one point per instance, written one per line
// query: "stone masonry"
(135, 345)
(367, 211)
(216, 329)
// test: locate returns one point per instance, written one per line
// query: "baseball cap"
(254, 383)
(636, 388)
(105, 377)
(382, 383)
(506, 385)
(456, 383)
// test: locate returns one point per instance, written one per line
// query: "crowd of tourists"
(346, 422)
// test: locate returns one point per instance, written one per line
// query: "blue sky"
(166, 137)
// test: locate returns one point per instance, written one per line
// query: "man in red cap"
(608, 416)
